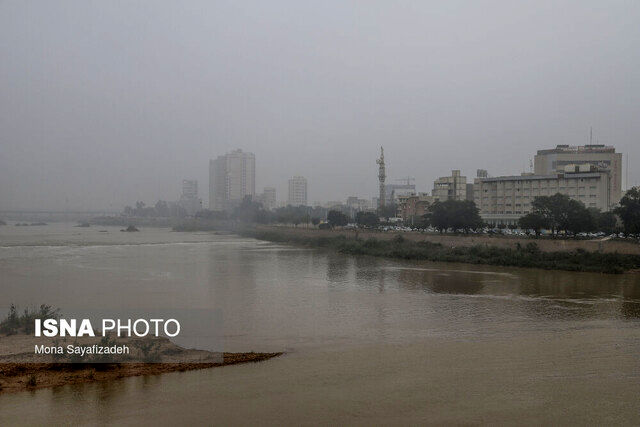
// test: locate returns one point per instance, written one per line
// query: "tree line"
(557, 213)
(561, 214)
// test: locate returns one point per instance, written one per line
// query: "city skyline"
(96, 116)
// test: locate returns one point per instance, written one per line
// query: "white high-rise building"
(297, 191)
(231, 178)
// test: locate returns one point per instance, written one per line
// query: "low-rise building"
(452, 187)
(504, 199)
(412, 207)
(357, 204)
(602, 156)
(189, 200)
(268, 198)
(393, 191)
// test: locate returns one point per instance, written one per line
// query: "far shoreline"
(562, 255)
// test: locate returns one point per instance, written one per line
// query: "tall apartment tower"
(189, 188)
(553, 161)
(231, 178)
(189, 200)
(297, 191)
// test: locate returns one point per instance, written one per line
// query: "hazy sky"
(104, 103)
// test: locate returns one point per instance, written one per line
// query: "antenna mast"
(381, 177)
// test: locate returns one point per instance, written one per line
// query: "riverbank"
(16, 377)
(21, 369)
(411, 246)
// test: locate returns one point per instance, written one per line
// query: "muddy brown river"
(367, 340)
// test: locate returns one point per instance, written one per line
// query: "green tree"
(577, 218)
(248, 211)
(388, 210)
(455, 214)
(603, 221)
(367, 219)
(562, 213)
(337, 219)
(162, 208)
(629, 211)
(533, 221)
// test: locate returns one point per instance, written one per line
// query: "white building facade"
(504, 199)
(297, 191)
(231, 178)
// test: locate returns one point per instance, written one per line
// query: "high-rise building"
(297, 191)
(231, 178)
(189, 200)
(269, 198)
(189, 188)
(452, 187)
(548, 162)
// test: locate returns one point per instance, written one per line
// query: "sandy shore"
(21, 369)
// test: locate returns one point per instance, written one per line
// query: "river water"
(367, 340)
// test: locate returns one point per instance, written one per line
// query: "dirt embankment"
(21, 369)
(15, 377)
(544, 244)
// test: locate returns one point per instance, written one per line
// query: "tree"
(388, 210)
(248, 211)
(337, 219)
(629, 211)
(607, 222)
(603, 221)
(367, 219)
(315, 220)
(552, 208)
(577, 218)
(562, 213)
(162, 208)
(207, 214)
(533, 221)
(455, 214)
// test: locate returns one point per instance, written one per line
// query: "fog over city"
(106, 103)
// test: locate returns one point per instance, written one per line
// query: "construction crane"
(381, 177)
